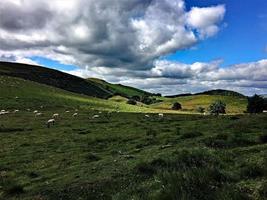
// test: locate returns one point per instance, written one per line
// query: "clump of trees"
(218, 107)
(145, 99)
(131, 102)
(256, 104)
(176, 106)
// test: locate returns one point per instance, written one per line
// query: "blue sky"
(242, 40)
(174, 46)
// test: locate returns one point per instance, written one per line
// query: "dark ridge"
(211, 92)
(53, 78)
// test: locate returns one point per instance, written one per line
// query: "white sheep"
(36, 111)
(50, 122)
(4, 113)
(38, 114)
(95, 116)
(147, 116)
(3, 110)
(67, 111)
(15, 111)
(75, 115)
(56, 115)
(161, 115)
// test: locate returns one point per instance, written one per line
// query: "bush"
(218, 107)
(200, 109)
(263, 138)
(131, 102)
(192, 134)
(176, 106)
(255, 104)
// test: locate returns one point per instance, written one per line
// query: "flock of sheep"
(55, 116)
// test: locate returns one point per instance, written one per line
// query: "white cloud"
(110, 33)
(205, 20)
(170, 77)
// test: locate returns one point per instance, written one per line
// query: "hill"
(211, 92)
(17, 93)
(118, 89)
(234, 104)
(53, 78)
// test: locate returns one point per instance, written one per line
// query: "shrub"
(263, 138)
(218, 107)
(176, 106)
(131, 102)
(200, 109)
(255, 104)
(192, 134)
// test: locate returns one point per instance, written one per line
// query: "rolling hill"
(210, 92)
(234, 104)
(53, 78)
(118, 89)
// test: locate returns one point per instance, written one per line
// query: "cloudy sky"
(166, 46)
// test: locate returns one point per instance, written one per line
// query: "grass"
(119, 89)
(123, 157)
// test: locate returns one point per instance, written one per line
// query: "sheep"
(75, 115)
(56, 115)
(161, 115)
(4, 113)
(38, 114)
(50, 122)
(15, 111)
(95, 116)
(147, 116)
(265, 111)
(67, 111)
(36, 111)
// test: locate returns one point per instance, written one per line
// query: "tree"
(218, 107)
(176, 106)
(131, 102)
(256, 104)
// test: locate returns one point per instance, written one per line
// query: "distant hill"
(54, 78)
(118, 89)
(211, 92)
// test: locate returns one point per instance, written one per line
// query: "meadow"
(129, 156)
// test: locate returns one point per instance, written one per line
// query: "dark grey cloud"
(110, 33)
(14, 17)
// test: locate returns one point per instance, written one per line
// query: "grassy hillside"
(16, 93)
(118, 89)
(234, 104)
(53, 78)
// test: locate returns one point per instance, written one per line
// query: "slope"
(53, 78)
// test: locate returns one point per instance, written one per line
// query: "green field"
(128, 156)
(123, 154)
(234, 105)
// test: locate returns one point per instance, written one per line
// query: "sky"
(162, 46)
